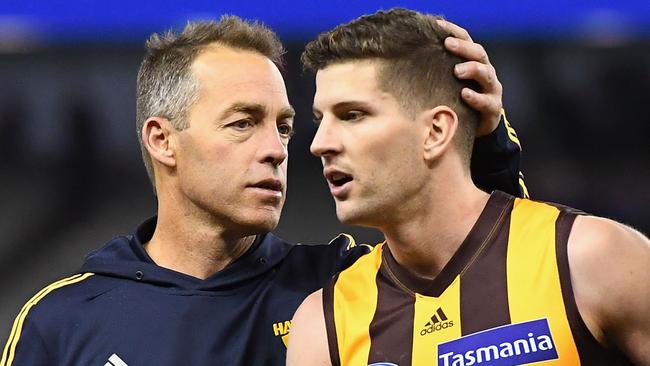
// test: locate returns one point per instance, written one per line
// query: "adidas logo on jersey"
(437, 322)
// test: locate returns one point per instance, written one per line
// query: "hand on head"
(488, 100)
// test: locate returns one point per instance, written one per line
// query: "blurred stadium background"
(577, 89)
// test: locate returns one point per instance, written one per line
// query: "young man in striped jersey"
(204, 282)
(464, 277)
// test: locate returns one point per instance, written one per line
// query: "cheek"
(394, 147)
(204, 160)
(285, 166)
(397, 162)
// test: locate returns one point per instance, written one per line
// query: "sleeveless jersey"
(504, 298)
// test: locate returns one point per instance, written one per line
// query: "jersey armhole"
(330, 326)
(589, 349)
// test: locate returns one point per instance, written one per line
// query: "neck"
(193, 244)
(425, 241)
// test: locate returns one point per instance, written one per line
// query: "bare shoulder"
(608, 250)
(308, 338)
(310, 310)
(610, 273)
(594, 227)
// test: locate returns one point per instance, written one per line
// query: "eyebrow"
(287, 112)
(344, 105)
(256, 110)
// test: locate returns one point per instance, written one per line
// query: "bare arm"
(308, 337)
(610, 273)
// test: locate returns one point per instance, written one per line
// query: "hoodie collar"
(125, 257)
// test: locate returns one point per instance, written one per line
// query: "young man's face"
(232, 159)
(370, 148)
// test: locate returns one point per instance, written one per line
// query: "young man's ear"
(441, 123)
(156, 139)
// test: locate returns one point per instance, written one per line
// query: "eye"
(317, 119)
(285, 130)
(352, 116)
(242, 124)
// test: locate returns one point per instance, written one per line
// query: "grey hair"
(166, 87)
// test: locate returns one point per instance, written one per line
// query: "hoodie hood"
(125, 257)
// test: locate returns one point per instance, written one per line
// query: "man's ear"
(441, 123)
(156, 137)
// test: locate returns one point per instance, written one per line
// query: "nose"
(326, 140)
(273, 149)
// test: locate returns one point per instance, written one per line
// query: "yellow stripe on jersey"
(512, 134)
(355, 302)
(534, 290)
(425, 351)
(10, 348)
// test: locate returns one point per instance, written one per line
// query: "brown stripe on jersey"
(591, 352)
(394, 307)
(330, 326)
(483, 288)
(481, 234)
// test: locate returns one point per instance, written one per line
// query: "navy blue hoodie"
(124, 308)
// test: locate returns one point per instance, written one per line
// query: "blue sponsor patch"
(513, 344)
(383, 364)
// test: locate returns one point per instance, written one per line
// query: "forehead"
(225, 74)
(349, 81)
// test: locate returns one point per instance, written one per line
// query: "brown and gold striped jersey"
(504, 298)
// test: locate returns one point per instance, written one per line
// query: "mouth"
(271, 187)
(339, 182)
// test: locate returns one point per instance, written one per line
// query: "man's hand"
(487, 101)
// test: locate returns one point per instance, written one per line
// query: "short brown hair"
(166, 87)
(415, 66)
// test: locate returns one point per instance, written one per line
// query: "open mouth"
(338, 179)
